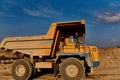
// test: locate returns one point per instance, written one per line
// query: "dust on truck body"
(62, 49)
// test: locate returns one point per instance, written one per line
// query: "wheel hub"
(20, 70)
(71, 70)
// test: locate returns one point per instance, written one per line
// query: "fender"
(87, 59)
(77, 55)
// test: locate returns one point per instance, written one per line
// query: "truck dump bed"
(42, 45)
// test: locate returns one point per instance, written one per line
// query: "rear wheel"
(71, 69)
(22, 69)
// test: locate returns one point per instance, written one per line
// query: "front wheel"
(72, 69)
(22, 69)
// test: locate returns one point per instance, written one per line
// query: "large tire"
(22, 69)
(72, 69)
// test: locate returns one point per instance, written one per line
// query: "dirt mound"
(109, 57)
(110, 66)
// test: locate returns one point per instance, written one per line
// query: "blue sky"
(33, 17)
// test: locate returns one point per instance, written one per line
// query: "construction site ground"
(109, 68)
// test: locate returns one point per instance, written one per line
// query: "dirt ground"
(109, 68)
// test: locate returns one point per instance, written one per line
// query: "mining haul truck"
(62, 50)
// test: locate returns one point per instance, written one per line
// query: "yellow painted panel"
(29, 44)
(43, 65)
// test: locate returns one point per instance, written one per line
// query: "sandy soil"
(108, 70)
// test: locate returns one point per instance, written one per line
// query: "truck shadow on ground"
(45, 74)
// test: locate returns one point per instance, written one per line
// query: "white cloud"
(42, 12)
(110, 18)
(7, 4)
(115, 40)
(107, 13)
(34, 13)
(112, 5)
(7, 15)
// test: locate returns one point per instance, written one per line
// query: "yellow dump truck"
(62, 49)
